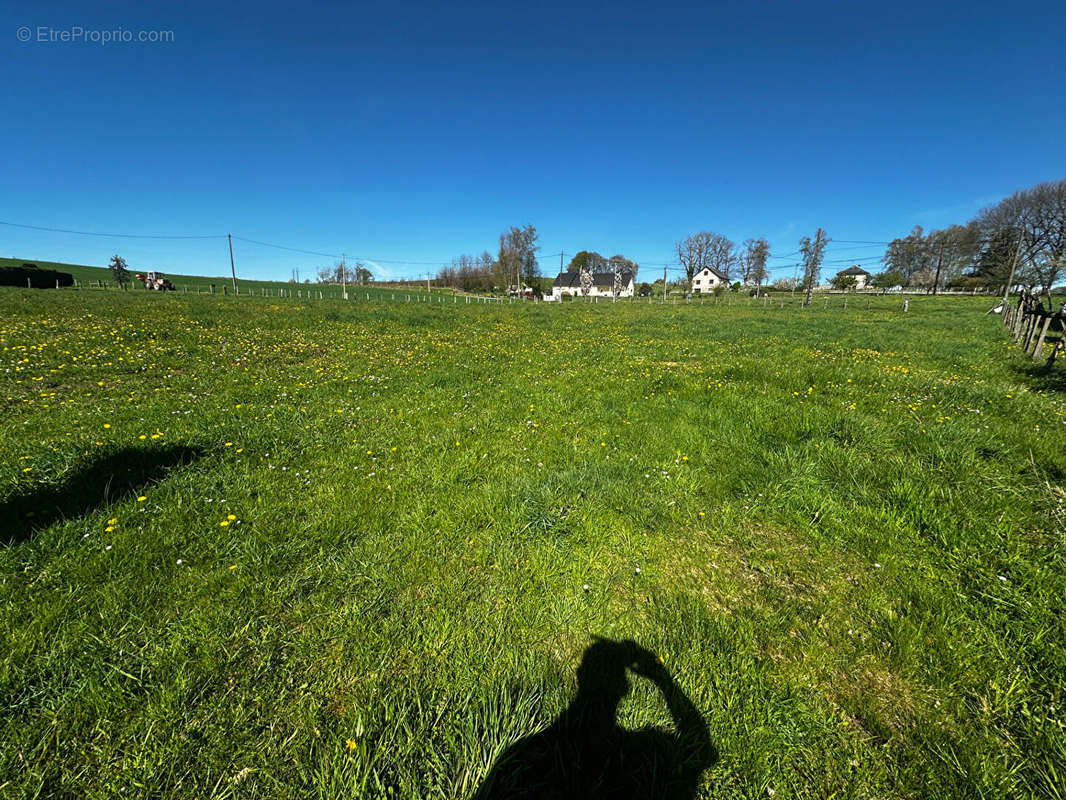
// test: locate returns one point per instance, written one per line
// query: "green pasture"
(285, 548)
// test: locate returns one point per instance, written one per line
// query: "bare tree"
(344, 273)
(1038, 218)
(518, 257)
(909, 254)
(952, 250)
(705, 249)
(813, 251)
(753, 261)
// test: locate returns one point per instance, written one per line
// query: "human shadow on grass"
(584, 753)
(90, 484)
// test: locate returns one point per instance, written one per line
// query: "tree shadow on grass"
(90, 484)
(1039, 376)
(584, 753)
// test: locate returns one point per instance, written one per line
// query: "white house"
(706, 279)
(862, 277)
(569, 283)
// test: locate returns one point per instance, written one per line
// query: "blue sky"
(412, 133)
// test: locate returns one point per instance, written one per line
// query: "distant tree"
(753, 261)
(923, 279)
(735, 287)
(909, 254)
(992, 263)
(517, 260)
(952, 250)
(785, 284)
(644, 290)
(586, 259)
(705, 249)
(843, 282)
(813, 251)
(469, 273)
(1038, 216)
(117, 265)
(889, 279)
(620, 263)
(344, 273)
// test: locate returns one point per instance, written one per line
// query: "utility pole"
(939, 261)
(232, 269)
(664, 284)
(1013, 266)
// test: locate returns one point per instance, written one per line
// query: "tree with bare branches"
(705, 249)
(1037, 219)
(813, 252)
(753, 261)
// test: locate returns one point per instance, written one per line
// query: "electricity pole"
(232, 269)
(939, 262)
(1013, 266)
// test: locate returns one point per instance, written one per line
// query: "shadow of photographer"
(584, 753)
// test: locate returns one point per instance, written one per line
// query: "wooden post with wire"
(232, 268)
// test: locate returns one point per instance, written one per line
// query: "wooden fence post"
(1038, 350)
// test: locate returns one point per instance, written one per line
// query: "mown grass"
(848, 527)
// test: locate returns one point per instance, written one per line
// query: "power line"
(110, 235)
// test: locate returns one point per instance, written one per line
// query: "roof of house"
(856, 270)
(572, 280)
(713, 271)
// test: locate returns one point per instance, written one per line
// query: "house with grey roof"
(705, 280)
(569, 283)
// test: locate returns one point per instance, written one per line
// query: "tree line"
(1019, 241)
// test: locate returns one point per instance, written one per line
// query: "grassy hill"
(89, 276)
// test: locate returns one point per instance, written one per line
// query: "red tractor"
(155, 281)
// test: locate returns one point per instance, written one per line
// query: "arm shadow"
(584, 753)
(90, 484)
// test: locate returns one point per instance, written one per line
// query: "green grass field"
(278, 549)
(90, 277)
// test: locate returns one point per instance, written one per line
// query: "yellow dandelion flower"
(141, 499)
(224, 523)
(350, 744)
(231, 516)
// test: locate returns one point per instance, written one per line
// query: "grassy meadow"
(272, 548)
